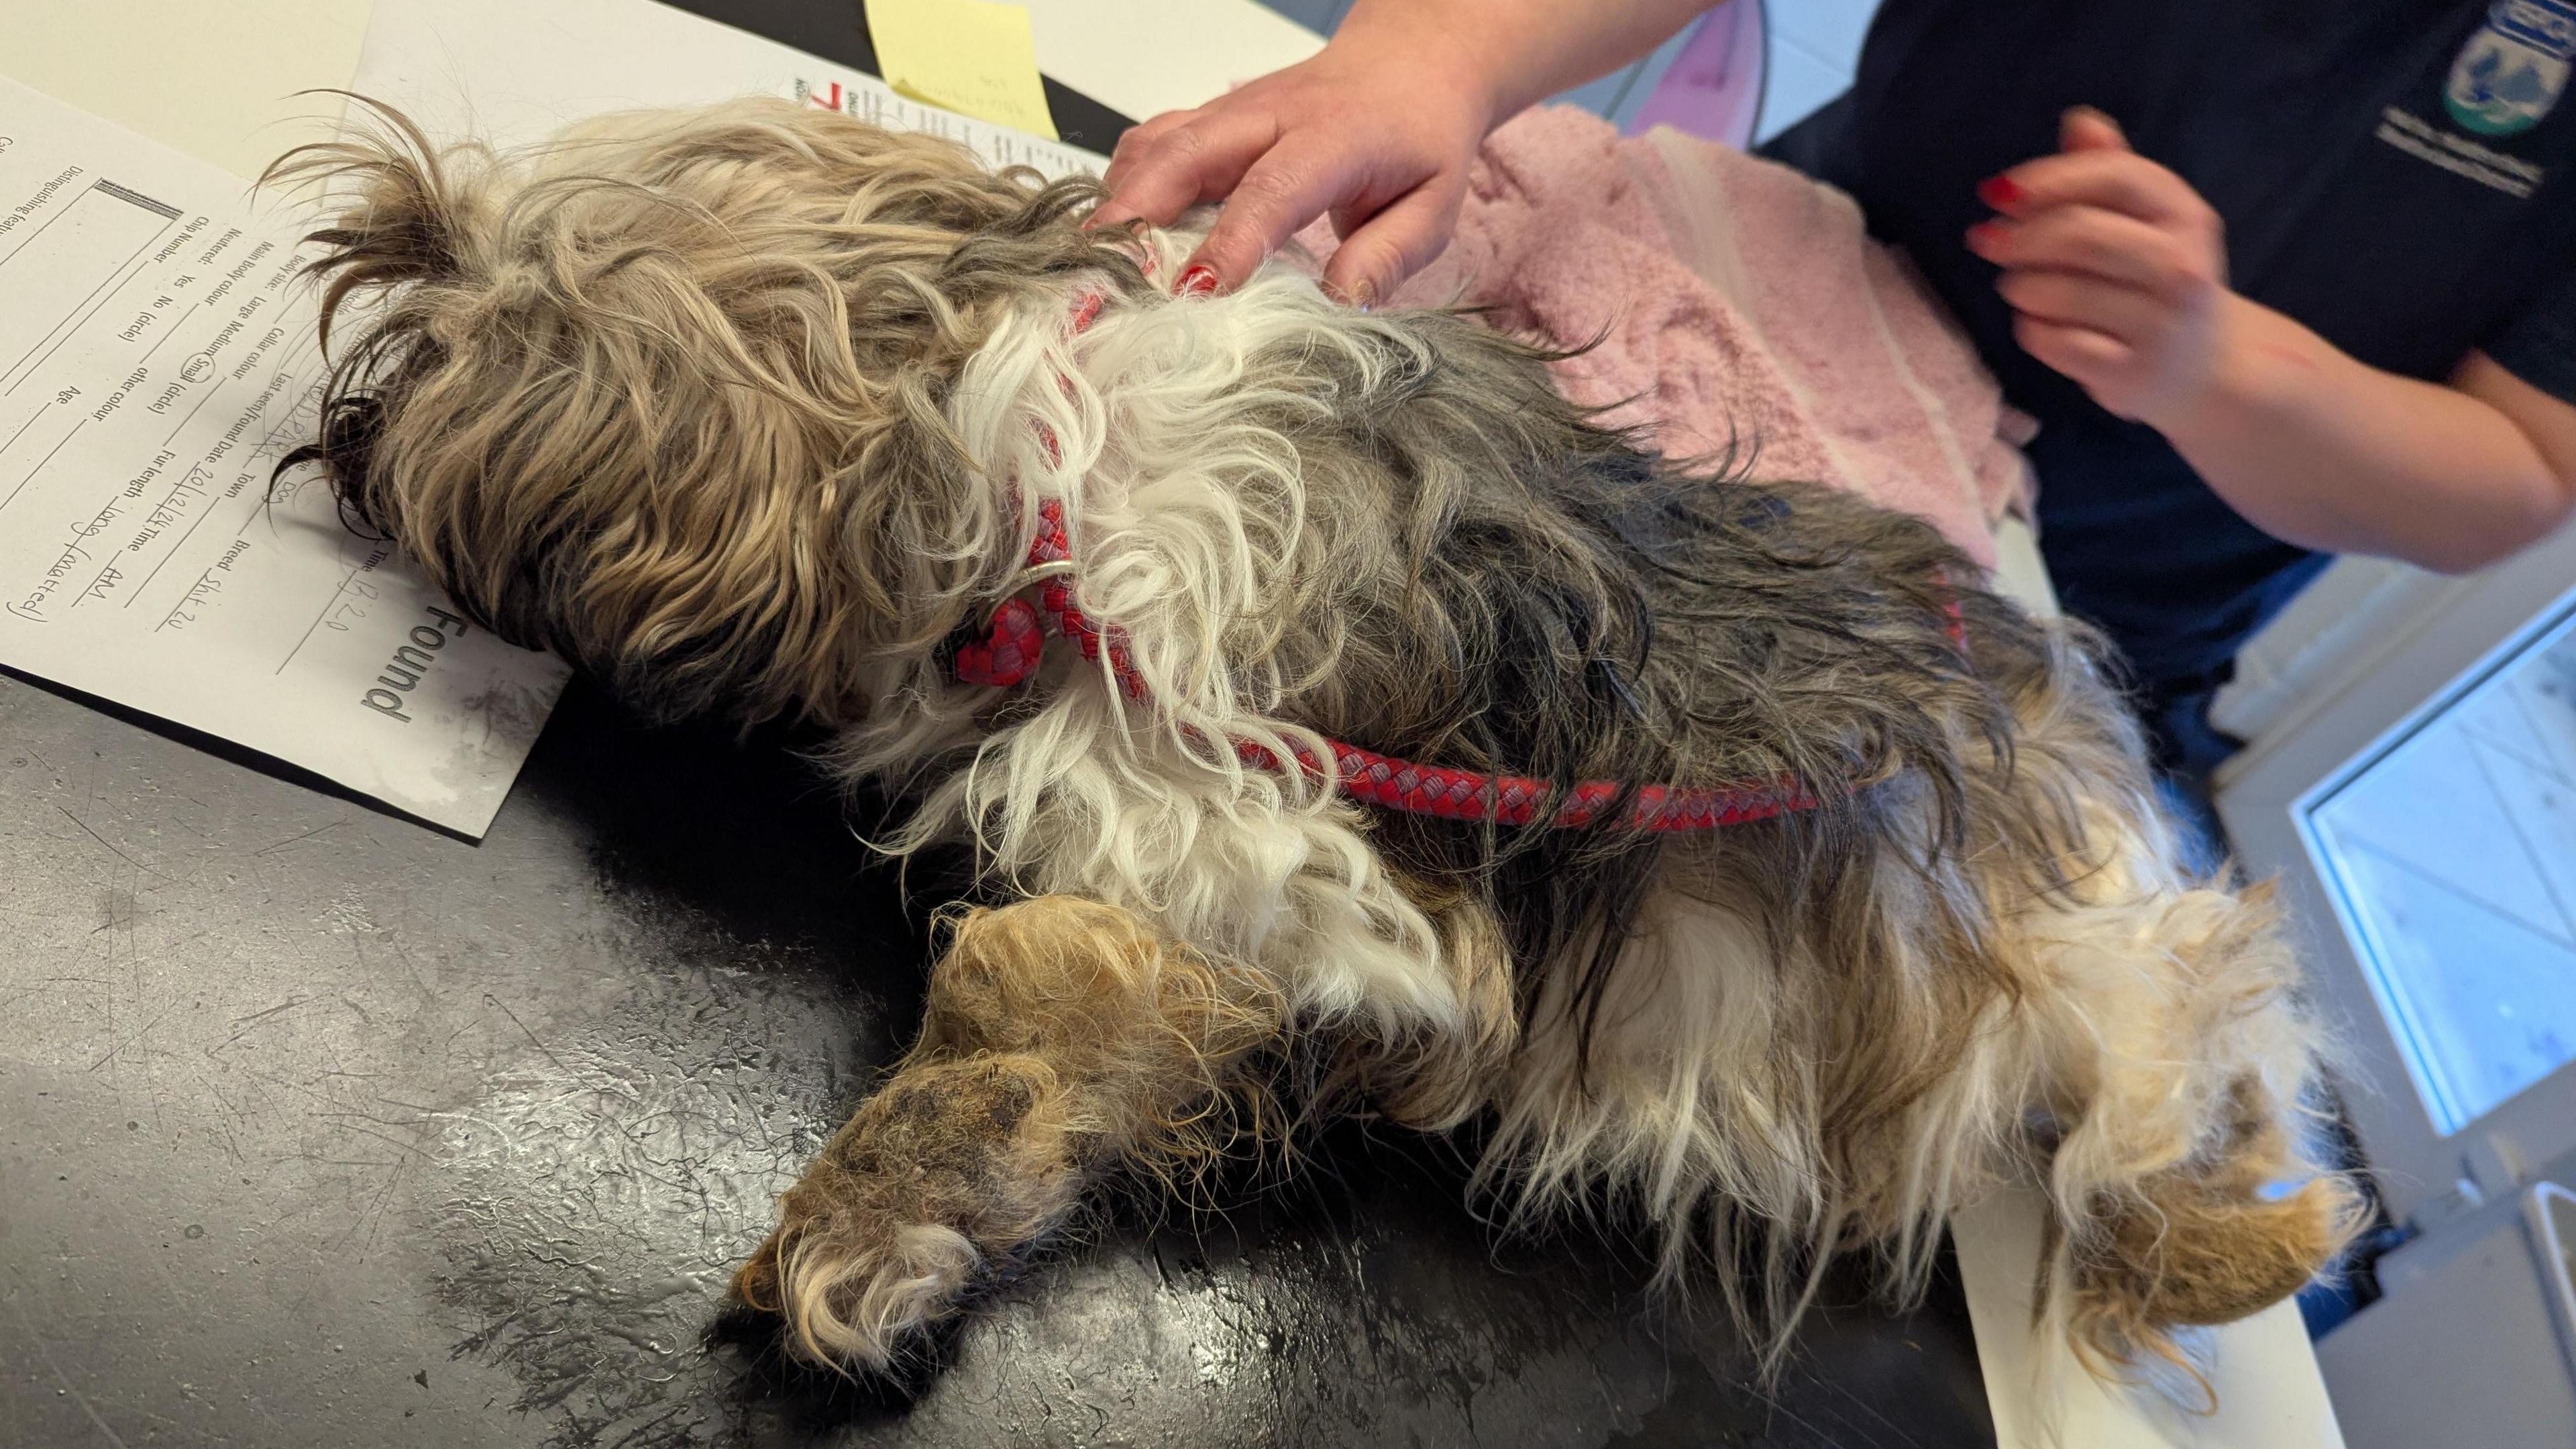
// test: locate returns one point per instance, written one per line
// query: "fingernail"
(2000, 192)
(1986, 236)
(1363, 295)
(1196, 281)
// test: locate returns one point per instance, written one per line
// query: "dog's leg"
(2182, 1187)
(1063, 1038)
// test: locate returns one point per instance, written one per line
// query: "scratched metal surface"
(319, 1128)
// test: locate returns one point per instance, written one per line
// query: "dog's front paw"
(953, 1165)
(854, 1301)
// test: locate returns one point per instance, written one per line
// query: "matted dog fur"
(748, 412)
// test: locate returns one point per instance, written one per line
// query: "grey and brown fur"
(738, 411)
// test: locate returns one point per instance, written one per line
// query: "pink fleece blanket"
(1734, 300)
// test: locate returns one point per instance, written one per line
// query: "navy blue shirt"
(2395, 174)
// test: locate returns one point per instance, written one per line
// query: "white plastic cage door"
(2419, 811)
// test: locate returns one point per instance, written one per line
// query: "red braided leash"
(1011, 649)
(1015, 642)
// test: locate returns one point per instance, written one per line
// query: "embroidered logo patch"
(2513, 69)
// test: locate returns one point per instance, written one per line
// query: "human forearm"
(2116, 271)
(2322, 450)
(1520, 52)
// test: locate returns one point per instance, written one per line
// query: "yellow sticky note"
(970, 56)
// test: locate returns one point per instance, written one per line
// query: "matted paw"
(853, 1297)
(2193, 1259)
(951, 1164)
(2215, 1260)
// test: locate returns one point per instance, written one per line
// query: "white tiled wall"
(1814, 45)
(1828, 32)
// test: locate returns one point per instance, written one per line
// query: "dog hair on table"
(749, 411)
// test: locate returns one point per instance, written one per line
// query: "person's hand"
(2116, 270)
(1371, 132)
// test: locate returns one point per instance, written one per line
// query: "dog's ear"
(400, 207)
(400, 212)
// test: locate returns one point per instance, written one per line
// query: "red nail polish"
(2000, 192)
(1196, 281)
(1985, 236)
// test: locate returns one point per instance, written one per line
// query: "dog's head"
(668, 397)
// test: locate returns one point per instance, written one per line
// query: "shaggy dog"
(1720, 848)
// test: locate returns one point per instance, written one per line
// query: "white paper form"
(2270, 1392)
(158, 354)
(512, 74)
